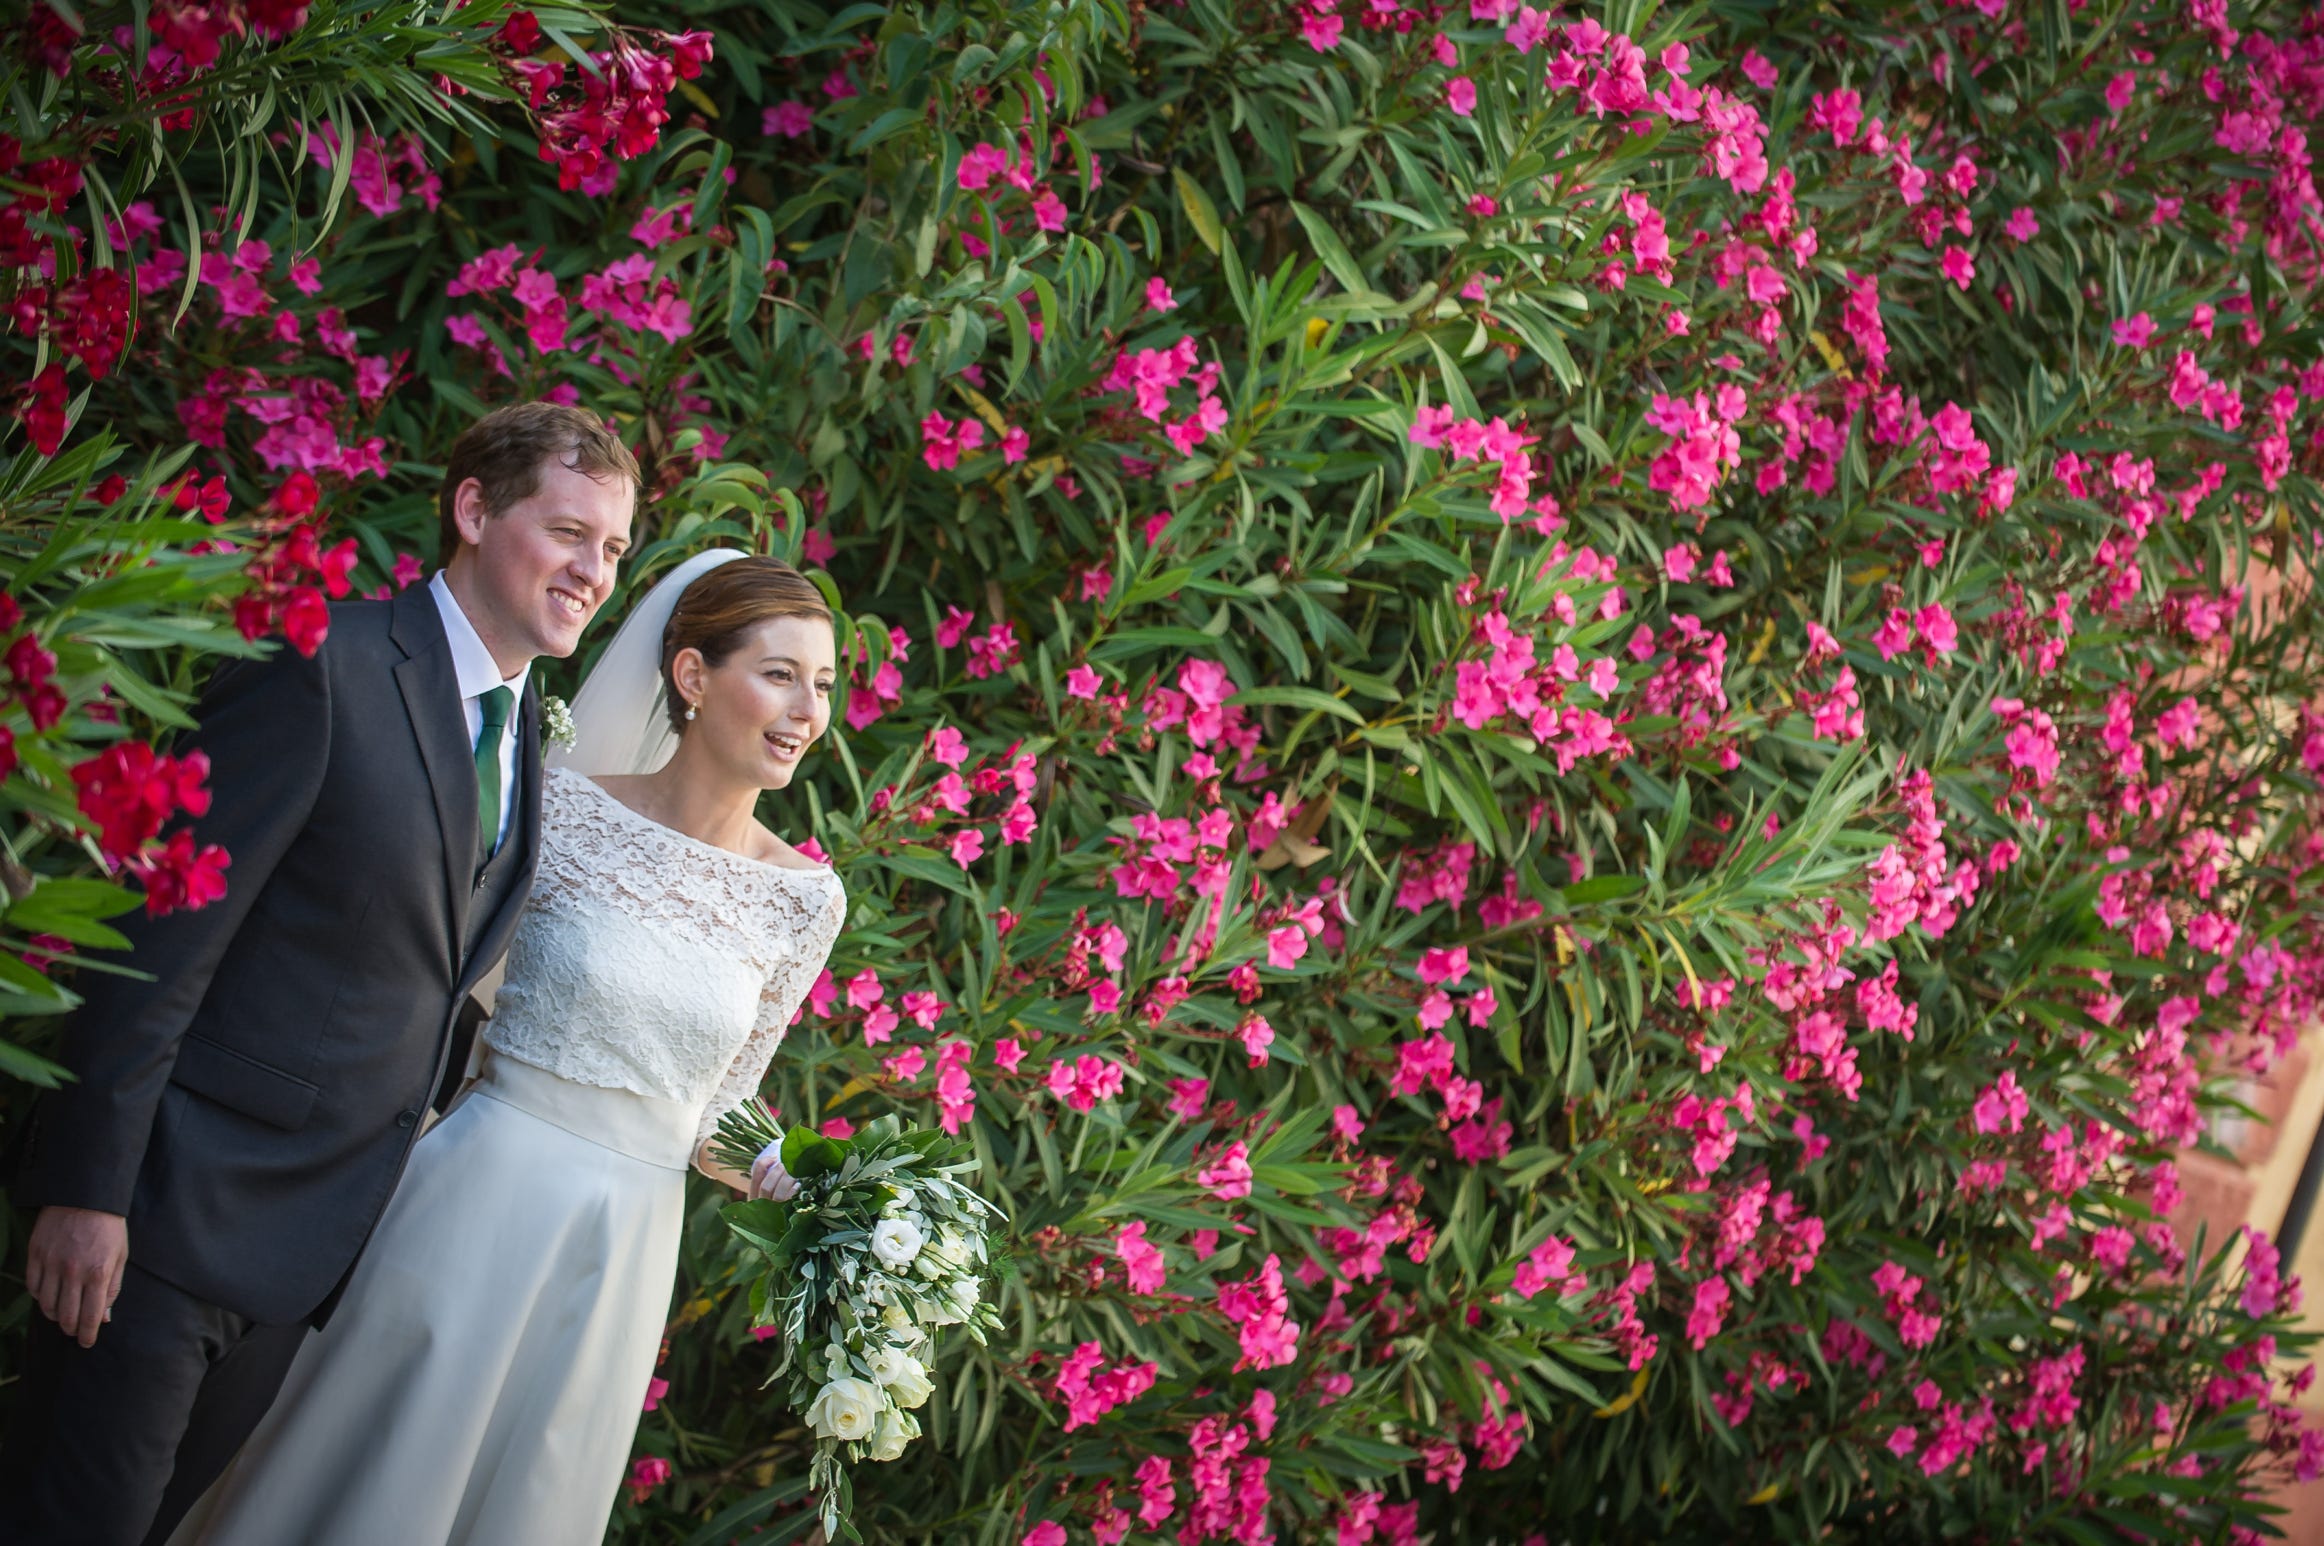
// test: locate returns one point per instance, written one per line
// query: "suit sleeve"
(265, 726)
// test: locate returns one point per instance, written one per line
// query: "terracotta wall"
(2254, 1187)
(2268, 1148)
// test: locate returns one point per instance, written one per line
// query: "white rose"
(896, 1241)
(845, 1409)
(896, 1318)
(890, 1436)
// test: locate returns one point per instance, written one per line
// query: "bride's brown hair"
(719, 610)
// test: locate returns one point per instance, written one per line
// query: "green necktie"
(495, 705)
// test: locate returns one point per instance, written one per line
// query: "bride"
(482, 1379)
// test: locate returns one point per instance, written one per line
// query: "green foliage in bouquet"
(885, 1245)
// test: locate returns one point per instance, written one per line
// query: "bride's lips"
(785, 746)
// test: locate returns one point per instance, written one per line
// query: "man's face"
(544, 565)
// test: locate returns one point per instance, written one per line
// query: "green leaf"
(1200, 212)
(1331, 249)
(1602, 888)
(807, 1153)
(1298, 697)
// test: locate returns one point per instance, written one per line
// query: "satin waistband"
(644, 1127)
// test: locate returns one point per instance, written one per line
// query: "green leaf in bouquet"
(761, 1221)
(807, 1153)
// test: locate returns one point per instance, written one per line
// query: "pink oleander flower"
(788, 119)
(1142, 1262)
(1228, 1175)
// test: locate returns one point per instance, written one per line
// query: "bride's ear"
(690, 674)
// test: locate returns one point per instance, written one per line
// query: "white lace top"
(651, 961)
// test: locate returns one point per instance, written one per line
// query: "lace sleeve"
(786, 986)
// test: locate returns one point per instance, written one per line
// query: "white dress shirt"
(478, 674)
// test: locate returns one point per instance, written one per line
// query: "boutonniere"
(556, 719)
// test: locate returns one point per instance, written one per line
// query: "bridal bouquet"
(884, 1244)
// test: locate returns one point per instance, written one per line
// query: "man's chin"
(557, 638)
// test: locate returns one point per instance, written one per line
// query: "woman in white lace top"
(482, 1379)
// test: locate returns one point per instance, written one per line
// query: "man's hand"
(769, 1179)
(73, 1266)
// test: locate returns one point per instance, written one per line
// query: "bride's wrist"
(733, 1180)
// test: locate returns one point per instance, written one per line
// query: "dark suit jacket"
(251, 1108)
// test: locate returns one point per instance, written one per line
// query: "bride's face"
(759, 710)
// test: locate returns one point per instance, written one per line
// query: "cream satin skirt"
(481, 1381)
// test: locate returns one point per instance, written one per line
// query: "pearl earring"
(689, 711)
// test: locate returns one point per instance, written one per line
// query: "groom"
(236, 1124)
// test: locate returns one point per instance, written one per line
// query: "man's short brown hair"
(504, 452)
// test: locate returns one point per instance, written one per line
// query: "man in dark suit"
(235, 1125)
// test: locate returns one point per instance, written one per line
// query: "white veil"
(619, 721)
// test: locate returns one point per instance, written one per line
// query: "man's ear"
(469, 512)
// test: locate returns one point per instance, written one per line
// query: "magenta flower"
(1142, 1263)
(1322, 29)
(1228, 1175)
(788, 119)
(967, 846)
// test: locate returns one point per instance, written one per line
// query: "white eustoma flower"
(951, 1306)
(890, 1436)
(896, 1318)
(845, 1409)
(896, 1241)
(902, 1374)
(892, 1366)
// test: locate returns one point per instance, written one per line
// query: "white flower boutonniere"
(556, 719)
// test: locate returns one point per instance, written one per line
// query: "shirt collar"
(478, 673)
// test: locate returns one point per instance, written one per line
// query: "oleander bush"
(1578, 737)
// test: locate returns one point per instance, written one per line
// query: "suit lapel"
(431, 696)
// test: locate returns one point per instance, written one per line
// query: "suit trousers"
(110, 1445)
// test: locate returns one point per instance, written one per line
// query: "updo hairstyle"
(721, 608)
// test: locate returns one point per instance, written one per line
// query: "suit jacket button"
(406, 1118)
